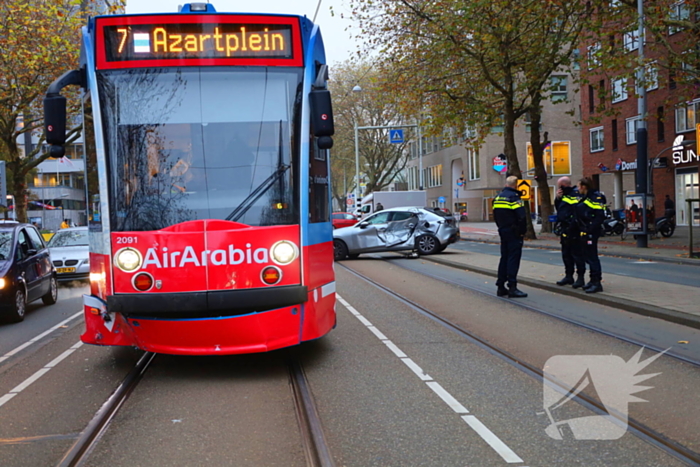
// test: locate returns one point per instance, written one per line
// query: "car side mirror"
(31, 252)
(363, 225)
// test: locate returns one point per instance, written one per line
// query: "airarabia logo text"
(180, 259)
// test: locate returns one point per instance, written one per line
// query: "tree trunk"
(540, 170)
(511, 153)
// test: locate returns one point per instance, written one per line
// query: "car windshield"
(69, 238)
(191, 143)
(5, 245)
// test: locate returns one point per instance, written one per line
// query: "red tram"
(207, 142)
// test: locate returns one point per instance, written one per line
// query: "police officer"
(509, 213)
(590, 212)
(571, 252)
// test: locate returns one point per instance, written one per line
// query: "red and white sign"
(499, 165)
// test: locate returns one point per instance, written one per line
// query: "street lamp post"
(641, 133)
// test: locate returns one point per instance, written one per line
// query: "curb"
(659, 259)
(677, 317)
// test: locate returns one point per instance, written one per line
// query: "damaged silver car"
(397, 229)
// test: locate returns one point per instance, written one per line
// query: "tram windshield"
(192, 143)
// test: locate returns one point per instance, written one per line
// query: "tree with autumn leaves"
(39, 41)
(478, 63)
(359, 99)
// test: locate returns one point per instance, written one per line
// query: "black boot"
(566, 281)
(502, 291)
(513, 292)
(595, 287)
(580, 282)
(588, 286)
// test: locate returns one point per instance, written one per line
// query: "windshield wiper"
(268, 183)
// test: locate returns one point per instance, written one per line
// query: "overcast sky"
(337, 40)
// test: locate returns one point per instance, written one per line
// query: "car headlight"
(284, 252)
(2, 282)
(127, 259)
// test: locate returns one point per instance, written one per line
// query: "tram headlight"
(127, 259)
(284, 252)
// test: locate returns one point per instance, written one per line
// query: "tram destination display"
(197, 40)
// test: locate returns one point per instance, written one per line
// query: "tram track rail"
(559, 317)
(94, 430)
(637, 428)
(315, 446)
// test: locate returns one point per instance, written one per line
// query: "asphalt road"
(657, 271)
(40, 318)
(392, 387)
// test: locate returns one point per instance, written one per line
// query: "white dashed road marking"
(487, 435)
(39, 337)
(27, 382)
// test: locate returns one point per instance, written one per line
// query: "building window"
(631, 40)
(614, 135)
(558, 85)
(686, 116)
(474, 166)
(619, 90)
(591, 99)
(601, 93)
(593, 55)
(679, 12)
(575, 57)
(631, 125)
(650, 78)
(433, 176)
(596, 135)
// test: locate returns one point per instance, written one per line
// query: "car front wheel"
(340, 250)
(427, 245)
(19, 306)
(52, 295)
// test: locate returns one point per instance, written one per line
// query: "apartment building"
(467, 180)
(610, 145)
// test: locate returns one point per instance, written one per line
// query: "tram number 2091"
(127, 240)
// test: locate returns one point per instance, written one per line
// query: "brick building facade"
(609, 144)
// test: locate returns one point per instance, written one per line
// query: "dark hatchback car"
(26, 272)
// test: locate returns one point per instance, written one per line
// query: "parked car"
(70, 253)
(26, 272)
(342, 219)
(396, 229)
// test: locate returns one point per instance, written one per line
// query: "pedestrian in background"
(65, 224)
(590, 213)
(571, 249)
(509, 213)
(669, 209)
(379, 207)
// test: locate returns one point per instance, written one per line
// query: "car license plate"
(64, 270)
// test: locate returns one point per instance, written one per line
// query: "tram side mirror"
(321, 113)
(55, 119)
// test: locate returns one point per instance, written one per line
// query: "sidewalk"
(673, 249)
(678, 303)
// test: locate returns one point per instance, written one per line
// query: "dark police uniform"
(571, 246)
(509, 213)
(590, 213)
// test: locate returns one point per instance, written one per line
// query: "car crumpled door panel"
(368, 238)
(399, 234)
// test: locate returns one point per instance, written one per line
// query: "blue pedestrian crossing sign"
(396, 136)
